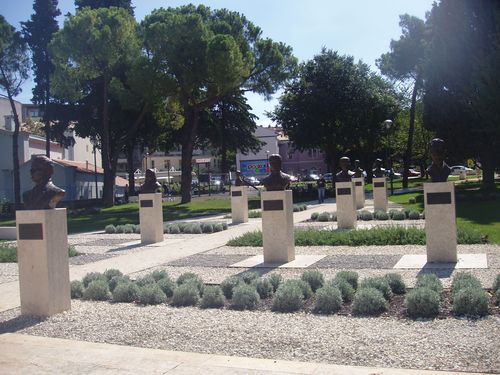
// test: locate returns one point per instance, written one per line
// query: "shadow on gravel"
(19, 323)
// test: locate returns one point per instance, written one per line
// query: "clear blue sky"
(361, 28)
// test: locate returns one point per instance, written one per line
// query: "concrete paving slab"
(257, 261)
(465, 261)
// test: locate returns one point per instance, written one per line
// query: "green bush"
(253, 214)
(110, 273)
(351, 277)
(191, 278)
(229, 284)
(496, 283)
(304, 287)
(263, 287)
(391, 212)
(380, 283)
(212, 297)
(470, 301)
(365, 215)
(174, 229)
(218, 227)
(381, 215)
(369, 301)
(314, 216)
(324, 216)
(314, 278)
(224, 225)
(497, 295)
(110, 229)
(398, 215)
(406, 211)
(207, 228)
(116, 280)
(422, 303)
(414, 215)
(275, 279)
(328, 300)
(159, 274)
(396, 283)
(145, 280)
(167, 286)
(125, 292)
(344, 287)
(150, 294)
(93, 276)
(186, 294)
(463, 280)
(429, 281)
(249, 276)
(195, 229)
(245, 297)
(289, 297)
(333, 216)
(97, 290)
(412, 200)
(76, 289)
(137, 229)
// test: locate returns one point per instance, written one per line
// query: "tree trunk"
(188, 136)
(130, 169)
(109, 183)
(411, 131)
(47, 122)
(15, 152)
(488, 165)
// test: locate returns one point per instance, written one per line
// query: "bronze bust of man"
(45, 195)
(358, 171)
(378, 171)
(151, 185)
(345, 175)
(276, 180)
(438, 170)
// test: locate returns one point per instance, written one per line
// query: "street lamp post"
(388, 125)
(267, 161)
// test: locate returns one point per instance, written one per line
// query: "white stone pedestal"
(239, 204)
(42, 257)
(380, 194)
(440, 222)
(151, 217)
(359, 188)
(346, 205)
(277, 226)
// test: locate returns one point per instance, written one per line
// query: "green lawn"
(480, 214)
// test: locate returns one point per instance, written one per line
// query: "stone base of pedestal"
(346, 205)
(277, 226)
(380, 194)
(359, 188)
(239, 204)
(151, 217)
(440, 222)
(42, 258)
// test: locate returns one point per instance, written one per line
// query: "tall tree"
(462, 80)
(14, 70)
(404, 63)
(38, 32)
(337, 105)
(209, 53)
(95, 4)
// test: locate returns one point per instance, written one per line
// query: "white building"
(255, 164)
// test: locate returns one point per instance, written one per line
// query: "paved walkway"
(24, 354)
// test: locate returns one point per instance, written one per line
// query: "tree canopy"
(95, 4)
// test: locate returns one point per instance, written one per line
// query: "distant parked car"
(457, 169)
(413, 173)
(394, 174)
(293, 178)
(328, 177)
(252, 180)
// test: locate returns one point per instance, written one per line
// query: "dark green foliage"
(145, 280)
(381, 215)
(8, 254)
(186, 294)
(150, 294)
(369, 301)
(110, 273)
(212, 298)
(229, 284)
(392, 212)
(351, 277)
(398, 215)
(245, 297)
(328, 300)
(496, 283)
(218, 227)
(72, 251)
(173, 229)
(314, 216)
(97, 290)
(263, 287)
(414, 215)
(116, 280)
(76, 289)
(207, 228)
(125, 291)
(275, 279)
(497, 295)
(422, 303)
(304, 287)
(167, 285)
(159, 274)
(365, 215)
(396, 283)
(333, 216)
(249, 276)
(406, 211)
(429, 281)
(324, 216)
(93, 276)
(380, 283)
(412, 200)
(344, 287)
(288, 298)
(314, 278)
(110, 229)
(252, 214)
(463, 280)
(470, 301)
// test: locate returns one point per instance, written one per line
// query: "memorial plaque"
(439, 198)
(31, 231)
(358, 183)
(379, 184)
(236, 194)
(147, 203)
(344, 191)
(273, 205)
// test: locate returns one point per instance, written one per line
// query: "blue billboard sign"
(256, 168)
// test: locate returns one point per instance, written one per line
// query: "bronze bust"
(378, 171)
(345, 175)
(45, 195)
(438, 170)
(151, 185)
(358, 171)
(276, 180)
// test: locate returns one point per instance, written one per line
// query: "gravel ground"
(441, 344)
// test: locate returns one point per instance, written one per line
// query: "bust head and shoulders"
(151, 185)
(276, 180)
(438, 170)
(378, 171)
(345, 175)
